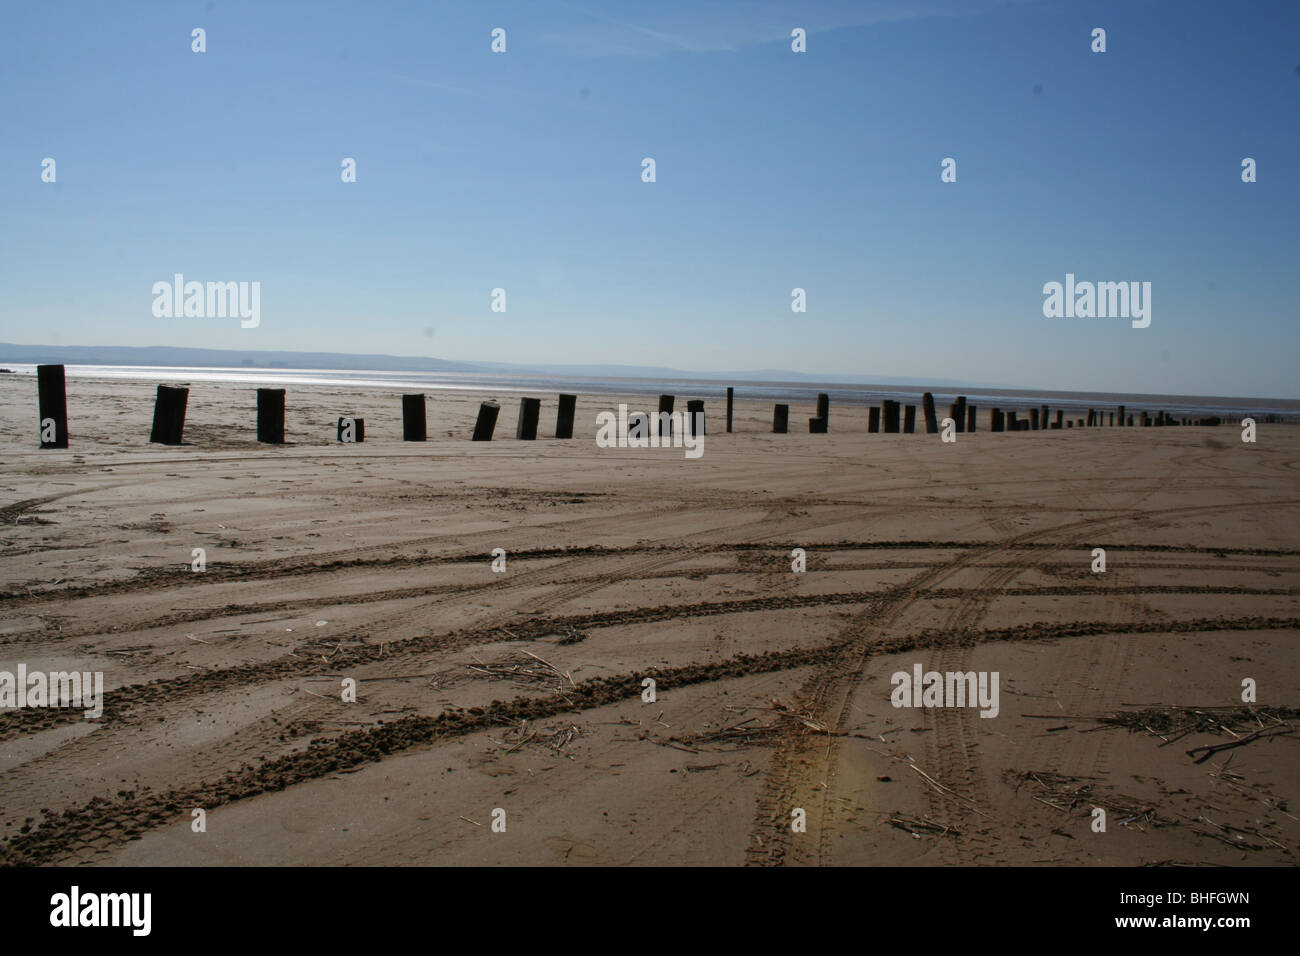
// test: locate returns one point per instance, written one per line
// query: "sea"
(793, 393)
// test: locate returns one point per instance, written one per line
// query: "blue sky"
(775, 170)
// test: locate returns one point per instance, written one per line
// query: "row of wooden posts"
(170, 404)
(963, 418)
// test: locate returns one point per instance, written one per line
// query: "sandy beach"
(516, 697)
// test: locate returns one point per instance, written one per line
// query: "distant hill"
(221, 358)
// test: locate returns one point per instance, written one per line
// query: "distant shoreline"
(793, 392)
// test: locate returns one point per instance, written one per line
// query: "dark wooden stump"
(873, 420)
(270, 416)
(970, 418)
(665, 424)
(169, 415)
(817, 426)
(694, 424)
(52, 400)
(486, 423)
(890, 412)
(413, 423)
(781, 419)
(358, 429)
(909, 419)
(731, 394)
(931, 419)
(530, 410)
(564, 417)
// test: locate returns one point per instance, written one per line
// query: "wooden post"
(1111, 424)
(1060, 415)
(52, 401)
(352, 430)
(270, 416)
(931, 420)
(1033, 419)
(995, 420)
(665, 424)
(824, 406)
(564, 417)
(486, 423)
(909, 419)
(1120, 416)
(1012, 424)
(873, 420)
(1129, 422)
(817, 426)
(530, 410)
(1042, 417)
(694, 424)
(169, 415)
(959, 413)
(413, 423)
(890, 413)
(731, 394)
(781, 419)
(970, 418)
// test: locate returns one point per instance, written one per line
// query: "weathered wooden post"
(824, 407)
(351, 430)
(1012, 424)
(169, 415)
(564, 417)
(270, 415)
(1091, 418)
(694, 424)
(1042, 417)
(413, 422)
(1120, 416)
(486, 423)
(731, 394)
(873, 420)
(890, 413)
(1060, 416)
(1111, 423)
(781, 419)
(959, 413)
(638, 423)
(1033, 419)
(970, 418)
(931, 419)
(1129, 422)
(995, 420)
(530, 410)
(817, 426)
(665, 423)
(52, 401)
(909, 419)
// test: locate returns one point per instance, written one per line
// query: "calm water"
(796, 394)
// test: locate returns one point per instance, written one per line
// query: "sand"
(516, 696)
